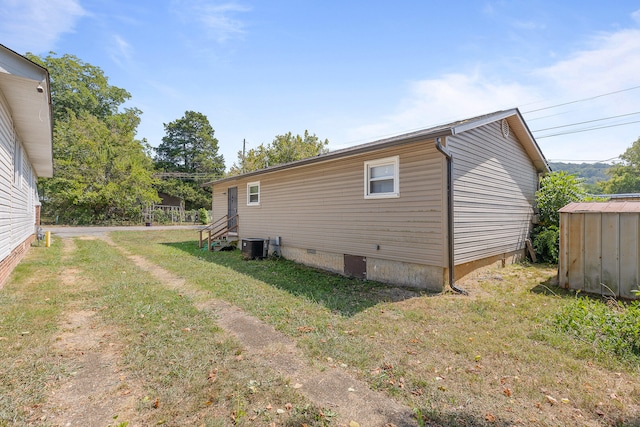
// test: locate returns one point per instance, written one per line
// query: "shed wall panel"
(563, 252)
(321, 206)
(610, 254)
(494, 189)
(592, 253)
(629, 254)
(576, 249)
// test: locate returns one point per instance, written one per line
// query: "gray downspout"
(450, 243)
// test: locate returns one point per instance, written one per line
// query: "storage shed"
(600, 248)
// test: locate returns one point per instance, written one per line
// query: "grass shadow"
(342, 295)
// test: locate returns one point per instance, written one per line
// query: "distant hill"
(591, 172)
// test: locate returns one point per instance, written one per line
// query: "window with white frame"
(253, 193)
(381, 178)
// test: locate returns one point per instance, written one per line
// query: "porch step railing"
(218, 231)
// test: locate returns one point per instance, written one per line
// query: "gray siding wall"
(17, 197)
(494, 191)
(322, 207)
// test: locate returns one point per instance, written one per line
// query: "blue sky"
(355, 71)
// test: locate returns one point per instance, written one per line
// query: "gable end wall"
(494, 191)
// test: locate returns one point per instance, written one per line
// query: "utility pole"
(244, 144)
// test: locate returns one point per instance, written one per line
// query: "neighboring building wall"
(320, 213)
(17, 196)
(494, 192)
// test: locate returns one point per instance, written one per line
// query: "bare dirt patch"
(96, 390)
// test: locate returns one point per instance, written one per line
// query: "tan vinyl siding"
(494, 187)
(321, 207)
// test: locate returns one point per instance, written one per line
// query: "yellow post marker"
(47, 239)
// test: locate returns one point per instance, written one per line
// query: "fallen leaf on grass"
(213, 374)
(490, 417)
(297, 385)
(507, 391)
(306, 329)
(353, 424)
(551, 399)
(156, 404)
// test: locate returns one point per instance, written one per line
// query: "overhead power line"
(582, 100)
(587, 122)
(586, 130)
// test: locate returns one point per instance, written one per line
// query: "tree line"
(103, 174)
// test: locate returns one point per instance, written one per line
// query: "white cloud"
(35, 25)
(636, 16)
(611, 61)
(219, 19)
(120, 51)
(438, 101)
(607, 64)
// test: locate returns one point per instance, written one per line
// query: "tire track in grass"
(96, 390)
(331, 388)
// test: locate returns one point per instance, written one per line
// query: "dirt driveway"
(352, 400)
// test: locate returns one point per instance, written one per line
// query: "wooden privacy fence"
(600, 248)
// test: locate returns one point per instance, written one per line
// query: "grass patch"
(30, 306)
(499, 357)
(489, 359)
(606, 326)
(181, 368)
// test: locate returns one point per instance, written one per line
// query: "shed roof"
(513, 116)
(25, 85)
(598, 207)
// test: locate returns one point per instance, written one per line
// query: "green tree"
(189, 147)
(625, 177)
(101, 173)
(80, 87)
(556, 190)
(283, 149)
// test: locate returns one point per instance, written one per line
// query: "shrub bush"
(203, 216)
(546, 243)
(610, 326)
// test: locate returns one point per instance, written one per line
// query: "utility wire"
(586, 130)
(582, 100)
(588, 121)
